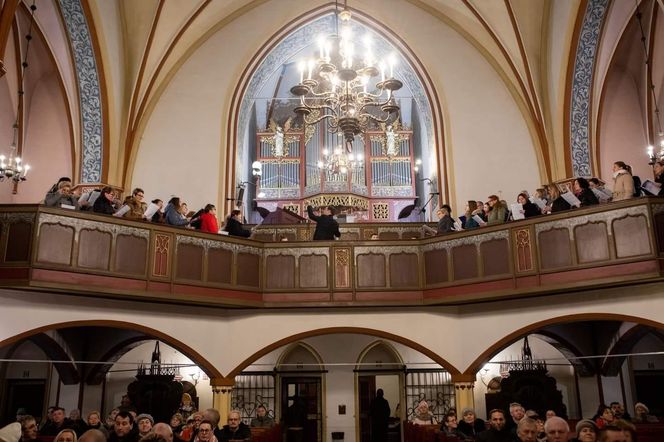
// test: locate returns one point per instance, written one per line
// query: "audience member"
(92, 436)
(66, 435)
(470, 424)
(623, 184)
(628, 429)
(558, 203)
(152, 437)
(62, 196)
(163, 430)
(550, 414)
(422, 415)
(638, 191)
(209, 219)
(450, 427)
(658, 169)
(556, 429)
(57, 423)
(94, 423)
(176, 423)
(56, 186)
(123, 427)
(526, 430)
(29, 428)
(497, 212)
(586, 431)
(642, 414)
(110, 419)
(327, 228)
(136, 205)
(234, 225)
(619, 411)
(235, 429)
(262, 420)
(604, 417)
(612, 434)
(104, 204)
(584, 193)
(10, 433)
(496, 431)
(144, 422)
(517, 412)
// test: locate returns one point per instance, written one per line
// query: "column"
(221, 397)
(464, 390)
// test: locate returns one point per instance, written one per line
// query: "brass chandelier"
(340, 162)
(339, 85)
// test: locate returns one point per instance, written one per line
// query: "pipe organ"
(377, 189)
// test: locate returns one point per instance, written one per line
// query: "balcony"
(76, 252)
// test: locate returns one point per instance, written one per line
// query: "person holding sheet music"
(136, 205)
(623, 183)
(584, 193)
(498, 211)
(558, 203)
(234, 225)
(471, 210)
(173, 213)
(62, 197)
(445, 221)
(104, 203)
(529, 209)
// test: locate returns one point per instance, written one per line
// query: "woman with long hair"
(623, 183)
(173, 213)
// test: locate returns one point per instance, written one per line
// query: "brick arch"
(205, 365)
(494, 349)
(343, 330)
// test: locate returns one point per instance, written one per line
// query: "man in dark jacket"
(445, 221)
(236, 429)
(379, 410)
(57, 423)
(497, 431)
(327, 227)
(123, 428)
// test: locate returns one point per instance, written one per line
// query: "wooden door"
(366, 385)
(304, 391)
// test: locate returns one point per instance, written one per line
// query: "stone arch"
(206, 366)
(97, 374)
(344, 330)
(304, 349)
(386, 348)
(494, 349)
(584, 367)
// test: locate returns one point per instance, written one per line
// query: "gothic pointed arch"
(379, 355)
(300, 356)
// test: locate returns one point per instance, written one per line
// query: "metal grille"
(433, 386)
(251, 390)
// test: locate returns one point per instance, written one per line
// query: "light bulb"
(326, 152)
(360, 157)
(343, 169)
(418, 161)
(320, 165)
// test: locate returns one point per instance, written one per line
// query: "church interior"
(387, 111)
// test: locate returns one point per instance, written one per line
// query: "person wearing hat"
(145, 423)
(10, 433)
(586, 431)
(642, 414)
(470, 425)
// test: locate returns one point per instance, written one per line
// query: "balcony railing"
(83, 253)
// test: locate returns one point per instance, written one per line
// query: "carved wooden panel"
(19, 240)
(404, 270)
(131, 254)
(524, 251)
(435, 266)
(94, 249)
(495, 257)
(350, 236)
(189, 262)
(555, 249)
(248, 271)
(464, 262)
(162, 250)
(592, 242)
(313, 271)
(342, 267)
(371, 270)
(55, 244)
(631, 236)
(220, 266)
(389, 236)
(280, 272)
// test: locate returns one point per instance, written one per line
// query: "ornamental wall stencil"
(582, 82)
(88, 90)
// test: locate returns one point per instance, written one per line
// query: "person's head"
(493, 201)
(107, 192)
(176, 420)
(540, 193)
(497, 419)
(641, 408)
(450, 421)
(58, 415)
(605, 413)
(234, 419)
(486, 207)
(586, 431)
(94, 418)
(517, 411)
(468, 415)
(151, 437)
(205, 431)
(184, 209)
(261, 411)
(619, 165)
(422, 407)
(175, 202)
(28, 427)
(617, 408)
(526, 430)
(594, 183)
(612, 433)
(581, 184)
(65, 436)
(138, 194)
(123, 423)
(556, 429)
(236, 215)
(145, 423)
(213, 416)
(164, 431)
(522, 198)
(75, 414)
(210, 208)
(628, 429)
(658, 167)
(64, 187)
(93, 435)
(197, 419)
(471, 206)
(159, 203)
(327, 210)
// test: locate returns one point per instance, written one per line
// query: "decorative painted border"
(582, 82)
(89, 90)
(604, 217)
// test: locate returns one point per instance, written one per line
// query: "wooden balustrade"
(618, 243)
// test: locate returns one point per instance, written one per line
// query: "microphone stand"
(431, 195)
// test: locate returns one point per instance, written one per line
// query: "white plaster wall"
(117, 381)
(589, 393)
(559, 369)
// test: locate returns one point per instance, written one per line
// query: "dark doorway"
(304, 392)
(649, 386)
(23, 393)
(366, 385)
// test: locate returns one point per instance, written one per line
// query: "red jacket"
(209, 223)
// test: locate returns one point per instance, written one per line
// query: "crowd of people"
(610, 424)
(123, 424)
(545, 200)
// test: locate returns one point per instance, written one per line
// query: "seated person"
(235, 430)
(262, 420)
(529, 209)
(234, 225)
(449, 427)
(208, 219)
(445, 221)
(422, 415)
(136, 205)
(63, 195)
(104, 204)
(54, 187)
(173, 213)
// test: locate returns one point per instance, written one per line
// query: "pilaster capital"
(463, 378)
(222, 385)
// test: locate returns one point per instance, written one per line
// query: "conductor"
(327, 227)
